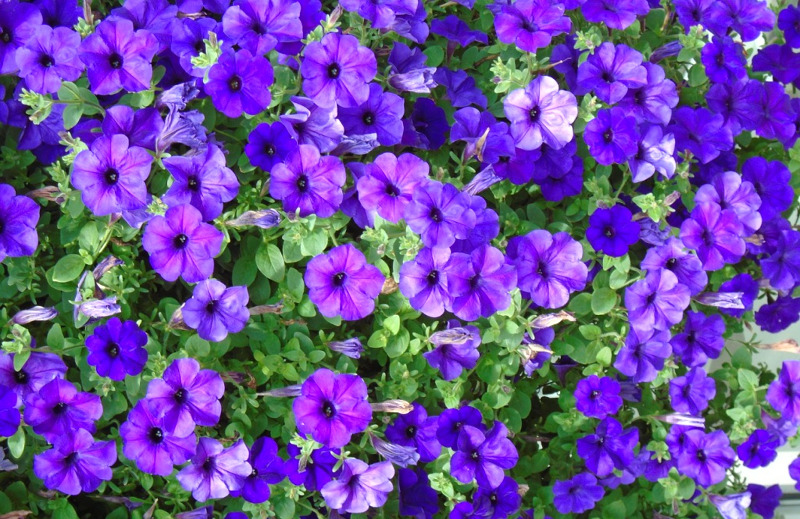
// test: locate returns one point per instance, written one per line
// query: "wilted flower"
(36, 313)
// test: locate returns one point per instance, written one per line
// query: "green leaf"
(197, 347)
(590, 332)
(603, 301)
(392, 324)
(72, 115)
(20, 359)
(435, 56)
(295, 284)
(16, 443)
(617, 279)
(68, 268)
(269, 261)
(603, 356)
(748, 381)
(315, 243)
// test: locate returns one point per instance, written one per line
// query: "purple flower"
(416, 429)
(483, 456)
(400, 455)
(643, 354)
(486, 139)
(480, 283)
(268, 145)
(724, 60)
(612, 231)
(359, 486)
(56, 13)
(58, 409)
(18, 23)
(615, 14)
(784, 392)
(155, 448)
(778, 315)
(611, 71)
(181, 245)
(612, 136)
(716, 235)
(770, 179)
(331, 408)
(499, 502)
(549, 267)
(655, 154)
(38, 370)
(609, 447)
(452, 358)
(759, 449)
(381, 114)
(202, 180)
(9, 414)
(700, 340)
(337, 70)
(789, 23)
(731, 506)
(780, 61)
(342, 283)
(349, 347)
(187, 394)
(729, 191)
(747, 286)
(657, 301)
(530, 24)
(239, 82)
(116, 349)
(541, 113)
(408, 72)
(118, 57)
(425, 282)
(111, 175)
(389, 183)
(597, 397)
(215, 471)
(427, 126)
(578, 494)
(691, 392)
(673, 257)
(268, 469)
(76, 463)
(452, 422)
(19, 216)
(782, 267)
(764, 500)
(487, 226)
(460, 87)
(417, 498)
(215, 310)
(705, 457)
(141, 127)
(747, 17)
(187, 41)
(318, 469)
(308, 182)
(312, 124)
(259, 26)
(454, 29)
(736, 103)
(654, 101)
(440, 213)
(49, 56)
(700, 132)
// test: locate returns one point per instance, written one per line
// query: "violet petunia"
(716, 235)
(76, 463)
(269, 144)
(483, 456)
(612, 231)
(597, 397)
(58, 409)
(268, 469)
(155, 448)
(19, 22)
(612, 136)
(416, 429)
(700, 340)
(19, 216)
(48, 57)
(116, 349)
(215, 310)
(39, 369)
(239, 83)
(308, 182)
(657, 301)
(690, 393)
(389, 183)
(530, 24)
(440, 213)
(336, 70)
(359, 487)
(541, 113)
(453, 358)
(259, 26)
(381, 114)
(481, 283)
(643, 354)
(425, 281)
(215, 471)
(609, 448)
(578, 494)
(705, 457)
(611, 70)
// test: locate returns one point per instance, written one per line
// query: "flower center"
(608, 136)
(708, 239)
(235, 83)
(368, 118)
(607, 77)
(193, 184)
(254, 473)
(71, 458)
(334, 70)
(208, 465)
(59, 408)
(535, 113)
(436, 215)
(21, 377)
(200, 46)
(671, 263)
(701, 455)
(433, 277)
(328, 410)
(115, 60)
(211, 306)
(180, 396)
(594, 394)
(111, 176)
(493, 498)
(5, 37)
(541, 269)
(651, 298)
(112, 350)
(156, 435)
(302, 183)
(180, 241)
(338, 279)
(601, 441)
(2, 226)
(391, 190)
(411, 431)
(46, 61)
(609, 232)
(474, 455)
(269, 149)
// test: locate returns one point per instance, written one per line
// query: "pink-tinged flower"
(359, 487)
(308, 182)
(215, 471)
(76, 463)
(541, 113)
(239, 83)
(716, 235)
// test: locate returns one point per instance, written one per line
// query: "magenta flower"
(389, 183)
(530, 24)
(541, 113)
(359, 487)
(76, 463)
(239, 83)
(155, 448)
(58, 409)
(331, 408)
(308, 182)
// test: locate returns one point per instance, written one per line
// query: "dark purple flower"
(111, 175)
(609, 447)
(611, 71)
(19, 216)
(770, 179)
(268, 145)
(259, 26)
(331, 408)
(416, 429)
(427, 127)
(181, 245)
(184, 128)
(483, 456)
(425, 282)
(654, 101)
(440, 213)
(700, 132)
(657, 301)
(655, 153)
(724, 60)
(359, 486)
(747, 17)
(9, 414)
(764, 500)
(308, 182)
(597, 397)
(215, 471)
(736, 103)
(716, 235)
(452, 422)
(538, 351)
(76, 463)
(155, 448)
(215, 310)
(577, 495)
(487, 226)
(615, 14)
(380, 14)
(759, 449)
(748, 287)
(486, 139)
(612, 231)
(643, 354)
(778, 315)
(268, 469)
(389, 183)
(784, 392)
(141, 127)
(38, 370)
(549, 267)
(564, 58)
(454, 29)
(700, 340)
(187, 41)
(776, 117)
(381, 114)
(480, 282)
(57, 13)
(460, 87)
(729, 191)
(18, 23)
(705, 457)
(530, 24)
(789, 23)
(499, 502)
(49, 56)
(58, 409)
(154, 16)
(408, 72)
(541, 113)
(118, 57)
(673, 257)
(417, 498)
(782, 266)
(780, 61)
(116, 349)
(239, 82)
(337, 70)
(201, 179)
(187, 394)
(691, 392)
(318, 469)
(612, 136)
(452, 358)
(342, 283)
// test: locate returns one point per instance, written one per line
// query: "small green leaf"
(603, 301)
(392, 324)
(269, 261)
(68, 268)
(20, 359)
(604, 356)
(16, 443)
(590, 332)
